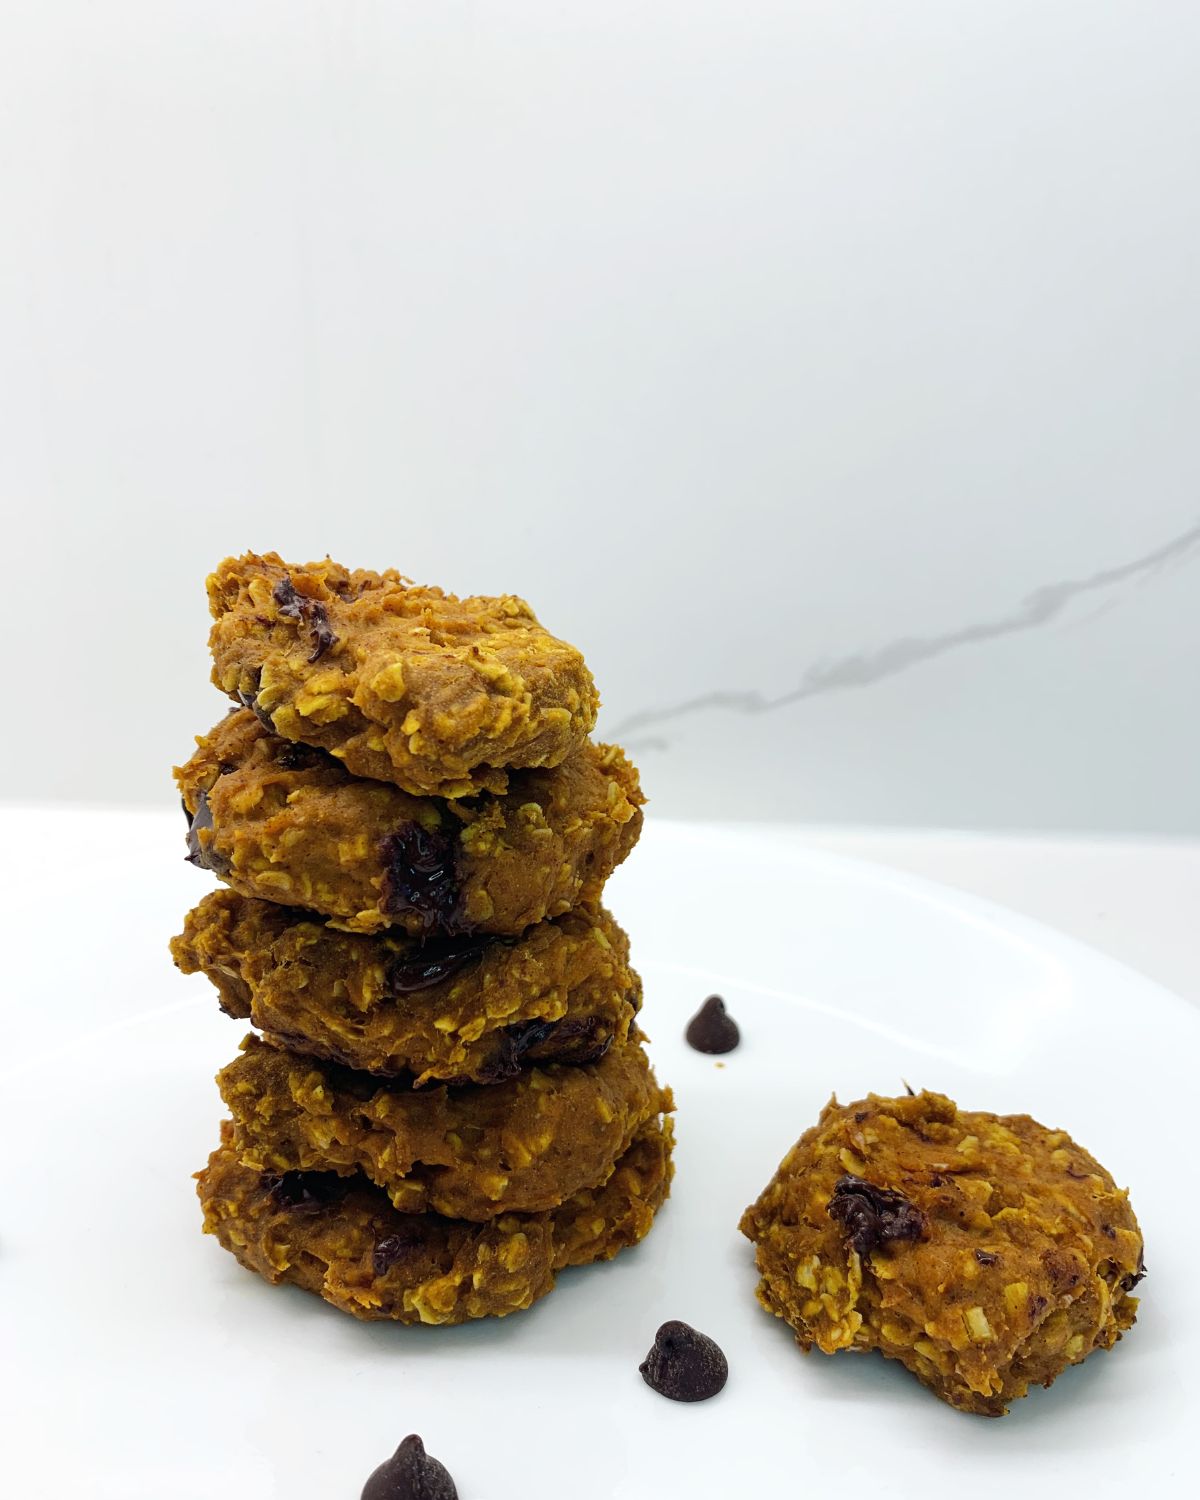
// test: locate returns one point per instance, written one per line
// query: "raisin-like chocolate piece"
(410, 1474)
(873, 1215)
(422, 967)
(202, 854)
(986, 1257)
(421, 876)
(305, 611)
(684, 1365)
(712, 1029)
(302, 1192)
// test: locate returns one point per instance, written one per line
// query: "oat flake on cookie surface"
(402, 683)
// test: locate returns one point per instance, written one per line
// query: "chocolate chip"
(389, 1250)
(515, 1042)
(684, 1365)
(420, 876)
(302, 1192)
(1134, 1277)
(287, 598)
(711, 1029)
(579, 1029)
(292, 756)
(511, 1046)
(410, 1474)
(249, 699)
(305, 611)
(322, 632)
(203, 855)
(1108, 1230)
(986, 1257)
(423, 966)
(873, 1215)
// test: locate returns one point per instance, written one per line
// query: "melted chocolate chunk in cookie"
(410, 1474)
(293, 756)
(432, 962)
(684, 1365)
(389, 1250)
(421, 876)
(1134, 1277)
(515, 1041)
(202, 855)
(250, 701)
(305, 611)
(712, 1029)
(873, 1215)
(302, 1192)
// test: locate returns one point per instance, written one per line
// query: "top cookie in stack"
(415, 831)
(441, 696)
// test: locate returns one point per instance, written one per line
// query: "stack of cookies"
(447, 1099)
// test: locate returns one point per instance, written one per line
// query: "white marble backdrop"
(828, 371)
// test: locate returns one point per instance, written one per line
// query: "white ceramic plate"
(140, 1361)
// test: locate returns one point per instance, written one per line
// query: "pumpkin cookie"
(341, 1238)
(984, 1252)
(522, 1146)
(458, 1010)
(404, 684)
(287, 823)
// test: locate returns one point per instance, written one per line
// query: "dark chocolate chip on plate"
(712, 1029)
(410, 1474)
(684, 1364)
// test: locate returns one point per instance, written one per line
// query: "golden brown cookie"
(287, 823)
(341, 1238)
(984, 1252)
(405, 684)
(460, 1010)
(522, 1146)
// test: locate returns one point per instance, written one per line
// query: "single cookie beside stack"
(449, 1100)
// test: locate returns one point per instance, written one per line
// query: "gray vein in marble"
(863, 669)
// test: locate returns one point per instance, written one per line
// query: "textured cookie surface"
(455, 1010)
(287, 823)
(341, 1238)
(470, 1153)
(437, 694)
(984, 1252)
